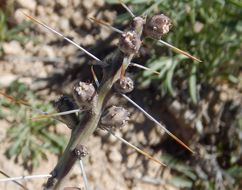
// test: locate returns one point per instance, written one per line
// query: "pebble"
(88, 4)
(47, 52)
(100, 3)
(64, 24)
(77, 19)
(115, 156)
(19, 17)
(46, 3)
(76, 3)
(28, 4)
(7, 79)
(12, 48)
(63, 3)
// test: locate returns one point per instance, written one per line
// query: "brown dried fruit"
(81, 151)
(124, 85)
(157, 26)
(129, 42)
(115, 117)
(84, 94)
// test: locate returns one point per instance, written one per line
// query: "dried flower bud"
(157, 26)
(84, 94)
(115, 117)
(124, 85)
(129, 42)
(81, 151)
(63, 104)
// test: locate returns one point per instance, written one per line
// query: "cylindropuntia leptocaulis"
(92, 100)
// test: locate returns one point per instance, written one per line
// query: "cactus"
(92, 100)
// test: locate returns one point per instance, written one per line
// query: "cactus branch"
(129, 45)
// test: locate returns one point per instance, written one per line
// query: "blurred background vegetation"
(209, 92)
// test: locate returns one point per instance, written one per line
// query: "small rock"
(63, 3)
(76, 3)
(12, 48)
(64, 24)
(28, 4)
(99, 3)
(31, 48)
(19, 17)
(26, 80)
(47, 51)
(88, 4)
(115, 156)
(40, 10)
(46, 3)
(77, 19)
(224, 96)
(89, 40)
(7, 79)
